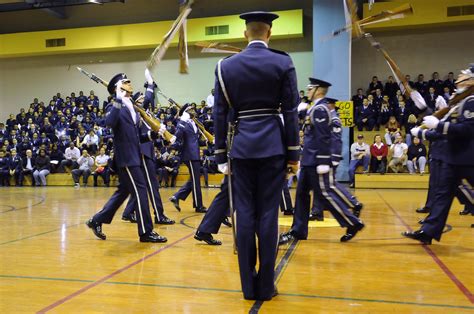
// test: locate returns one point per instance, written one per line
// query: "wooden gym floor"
(51, 262)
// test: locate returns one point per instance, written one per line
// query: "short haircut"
(257, 29)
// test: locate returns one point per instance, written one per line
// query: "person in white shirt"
(360, 155)
(71, 155)
(102, 167)
(210, 99)
(85, 163)
(91, 142)
(399, 154)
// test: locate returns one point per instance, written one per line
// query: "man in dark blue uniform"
(456, 163)
(317, 171)
(187, 137)
(148, 161)
(258, 83)
(124, 121)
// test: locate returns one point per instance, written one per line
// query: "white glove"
(223, 168)
(173, 140)
(119, 92)
(440, 103)
(185, 116)
(162, 129)
(415, 131)
(148, 77)
(335, 163)
(302, 106)
(431, 122)
(418, 100)
(322, 169)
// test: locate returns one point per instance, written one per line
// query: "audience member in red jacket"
(378, 153)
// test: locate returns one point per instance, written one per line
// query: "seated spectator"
(4, 168)
(71, 155)
(42, 168)
(358, 98)
(378, 153)
(430, 98)
(398, 151)
(378, 98)
(160, 167)
(102, 167)
(172, 166)
(28, 166)
(391, 129)
(436, 83)
(85, 163)
(391, 88)
(409, 81)
(15, 168)
(91, 142)
(365, 117)
(446, 93)
(449, 83)
(360, 156)
(416, 157)
(421, 86)
(374, 85)
(411, 123)
(384, 114)
(56, 157)
(402, 113)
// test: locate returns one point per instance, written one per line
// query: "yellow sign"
(346, 113)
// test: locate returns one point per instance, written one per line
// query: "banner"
(346, 113)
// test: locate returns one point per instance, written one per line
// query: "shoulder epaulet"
(278, 51)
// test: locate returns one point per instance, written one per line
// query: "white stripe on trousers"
(150, 188)
(138, 199)
(193, 179)
(284, 201)
(336, 189)
(329, 198)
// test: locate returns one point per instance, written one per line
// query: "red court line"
(437, 260)
(103, 279)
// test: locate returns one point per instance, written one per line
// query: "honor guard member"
(148, 161)
(317, 171)
(336, 157)
(187, 136)
(457, 164)
(123, 120)
(258, 83)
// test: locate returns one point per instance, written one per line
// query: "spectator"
(42, 168)
(378, 153)
(446, 93)
(384, 114)
(416, 157)
(436, 83)
(71, 155)
(172, 166)
(409, 81)
(358, 99)
(391, 129)
(102, 167)
(450, 82)
(402, 113)
(360, 155)
(398, 151)
(56, 157)
(411, 123)
(421, 86)
(365, 117)
(29, 166)
(91, 142)
(85, 163)
(374, 85)
(4, 170)
(391, 88)
(15, 168)
(210, 99)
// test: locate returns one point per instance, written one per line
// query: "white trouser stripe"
(329, 198)
(150, 188)
(194, 182)
(285, 208)
(336, 189)
(138, 199)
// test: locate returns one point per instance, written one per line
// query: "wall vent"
(55, 42)
(217, 30)
(460, 10)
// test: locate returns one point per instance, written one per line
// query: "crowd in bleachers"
(69, 135)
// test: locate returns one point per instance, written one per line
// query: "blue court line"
(38, 234)
(238, 291)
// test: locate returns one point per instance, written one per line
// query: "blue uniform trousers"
(192, 185)
(256, 203)
(444, 194)
(326, 194)
(433, 182)
(131, 181)
(218, 210)
(285, 203)
(153, 190)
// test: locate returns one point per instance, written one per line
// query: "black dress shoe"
(206, 237)
(465, 211)
(357, 209)
(201, 209)
(153, 237)
(289, 212)
(96, 228)
(316, 217)
(352, 231)
(423, 210)
(163, 220)
(175, 202)
(227, 222)
(132, 218)
(418, 235)
(286, 237)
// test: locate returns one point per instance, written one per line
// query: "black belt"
(257, 113)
